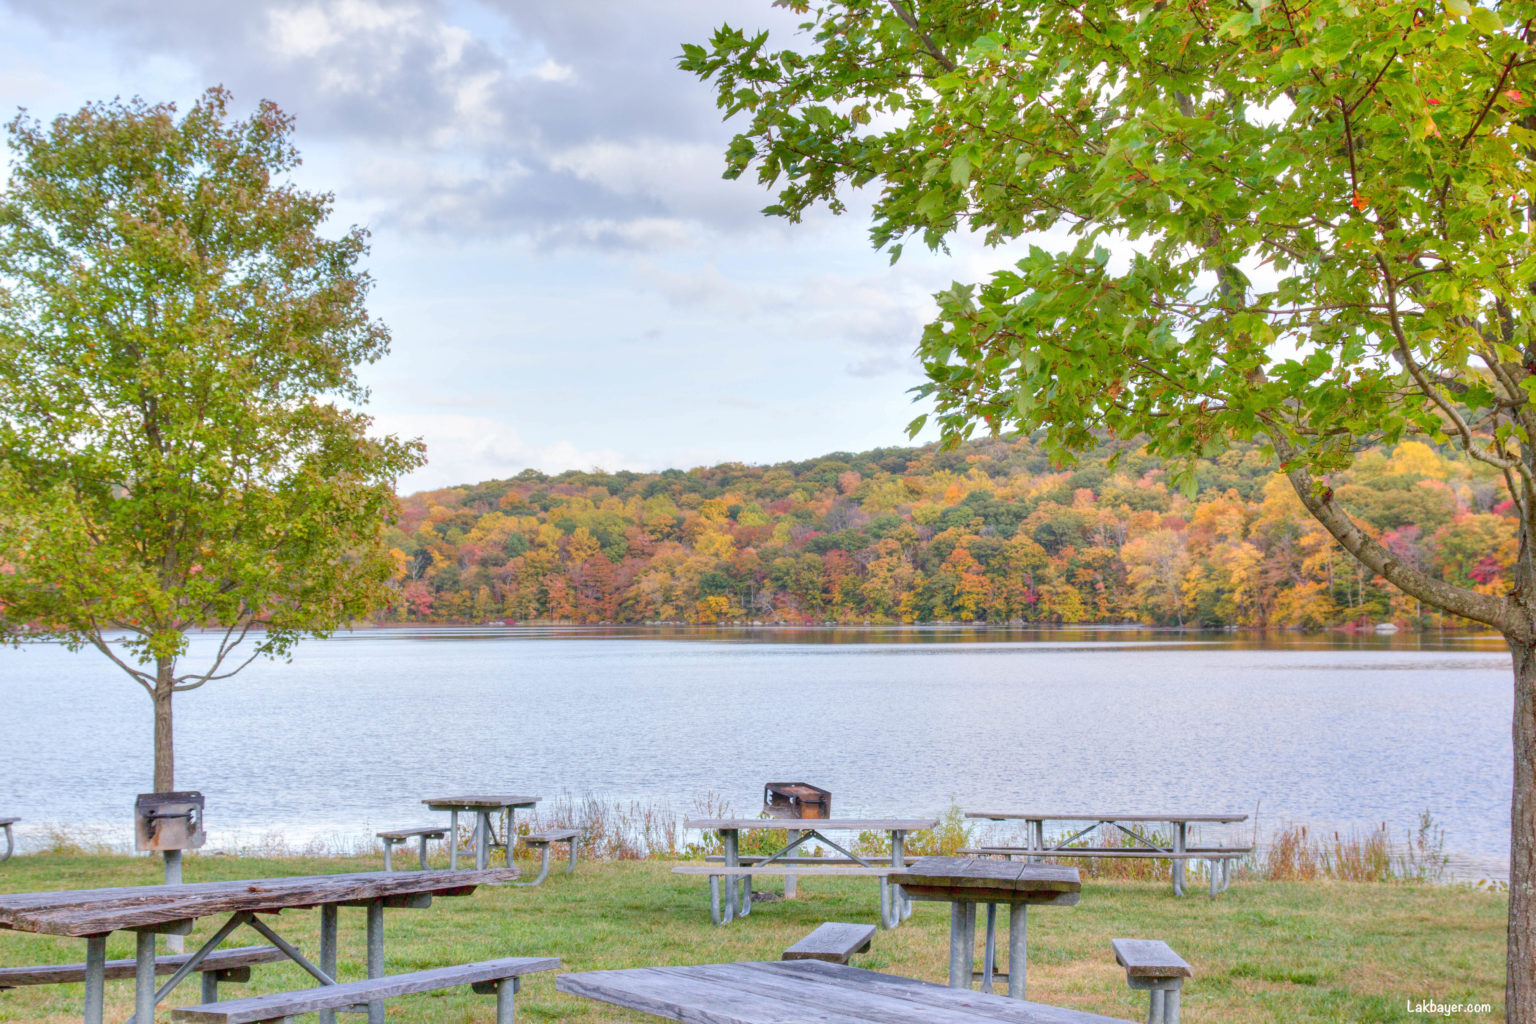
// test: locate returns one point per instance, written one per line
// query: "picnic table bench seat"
(222, 965)
(395, 836)
(1192, 853)
(832, 941)
(10, 840)
(1152, 965)
(542, 841)
(1219, 858)
(502, 977)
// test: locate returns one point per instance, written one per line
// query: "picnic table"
(965, 883)
(738, 875)
(93, 914)
(482, 807)
(785, 991)
(1035, 844)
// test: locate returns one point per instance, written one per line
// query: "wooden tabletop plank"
(794, 992)
(676, 993)
(479, 803)
(938, 1002)
(96, 911)
(1113, 816)
(818, 824)
(1150, 958)
(963, 872)
(848, 996)
(1002, 1009)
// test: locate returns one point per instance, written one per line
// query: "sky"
(569, 282)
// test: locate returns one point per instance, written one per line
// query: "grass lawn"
(1263, 951)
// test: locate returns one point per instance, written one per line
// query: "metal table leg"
(738, 888)
(790, 886)
(902, 904)
(482, 836)
(95, 977)
(989, 954)
(1018, 948)
(962, 943)
(376, 956)
(144, 977)
(728, 882)
(506, 989)
(328, 951)
(510, 836)
(1180, 829)
(453, 840)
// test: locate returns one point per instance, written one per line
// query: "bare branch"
(144, 679)
(929, 46)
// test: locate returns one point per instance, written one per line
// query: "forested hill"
(987, 532)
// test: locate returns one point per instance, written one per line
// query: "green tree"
(1307, 223)
(180, 446)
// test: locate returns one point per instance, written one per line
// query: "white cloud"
(468, 449)
(553, 71)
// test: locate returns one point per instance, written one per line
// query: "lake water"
(1335, 732)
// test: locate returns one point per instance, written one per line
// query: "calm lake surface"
(1335, 732)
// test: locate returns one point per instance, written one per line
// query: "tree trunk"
(1520, 984)
(165, 750)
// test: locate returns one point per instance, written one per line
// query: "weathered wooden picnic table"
(965, 883)
(1035, 844)
(799, 991)
(738, 886)
(93, 914)
(482, 807)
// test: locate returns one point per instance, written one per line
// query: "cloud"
(566, 123)
(467, 449)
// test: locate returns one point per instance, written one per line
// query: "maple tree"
(1305, 222)
(180, 446)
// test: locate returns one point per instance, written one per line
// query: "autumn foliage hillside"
(988, 532)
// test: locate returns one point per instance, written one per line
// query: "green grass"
(1264, 951)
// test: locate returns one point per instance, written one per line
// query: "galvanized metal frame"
(390, 842)
(1163, 998)
(544, 859)
(1034, 841)
(894, 906)
(962, 945)
(147, 996)
(10, 841)
(484, 833)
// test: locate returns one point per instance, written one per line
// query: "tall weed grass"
(1294, 854)
(636, 829)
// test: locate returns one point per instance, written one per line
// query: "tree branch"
(929, 46)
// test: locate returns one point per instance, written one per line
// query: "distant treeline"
(988, 532)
